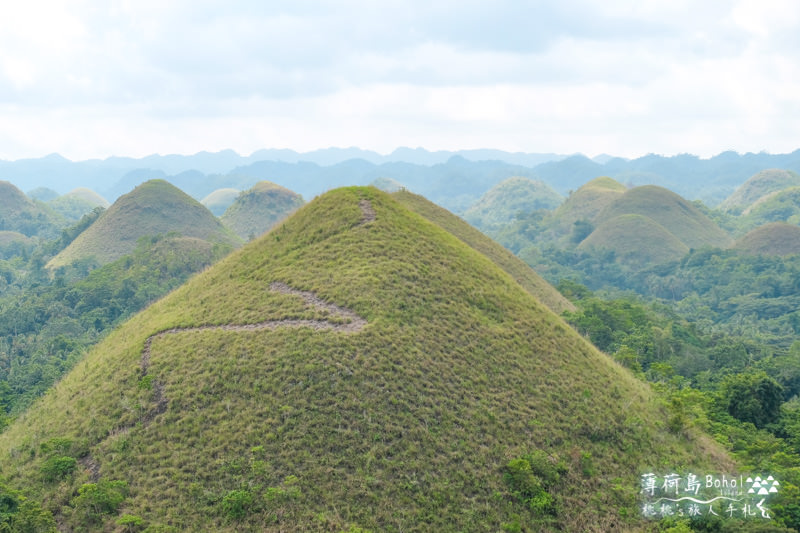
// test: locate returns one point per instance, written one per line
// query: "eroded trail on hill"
(354, 322)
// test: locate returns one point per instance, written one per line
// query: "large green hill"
(678, 216)
(776, 238)
(500, 204)
(509, 262)
(758, 186)
(259, 208)
(153, 208)
(637, 240)
(356, 367)
(77, 203)
(585, 204)
(21, 214)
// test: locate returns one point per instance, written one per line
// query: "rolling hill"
(356, 367)
(500, 204)
(513, 265)
(676, 215)
(259, 208)
(585, 204)
(220, 200)
(21, 214)
(757, 186)
(636, 240)
(77, 203)
(153, 208)
(776, 238)
(778, 206)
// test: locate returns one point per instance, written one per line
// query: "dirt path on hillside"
(368, 213)
(355, 323)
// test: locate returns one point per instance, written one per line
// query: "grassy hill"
(776, 238)
(259, 208)
(21, 214)
(636, 240)
(509, 262)
(676, 215)
(387, 184)
(357, 367)
(778, 206)
(758, 186)
(77, 203)
(585, 204)
(220, 200)
(505, 200)
(153, 208)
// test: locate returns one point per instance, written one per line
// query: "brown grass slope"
(678, 216)
(776, 238)
(759, 185)
(401, 423)
(259, 208)
(513, 265)
(153, 208)
(636, 240)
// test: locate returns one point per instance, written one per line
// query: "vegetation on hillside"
(462, 404)
(153, 208)
(256, 210)
(505, 200)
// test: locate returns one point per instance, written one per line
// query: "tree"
(752, 397)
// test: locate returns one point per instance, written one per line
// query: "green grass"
(585, 204)
(259, 208)
(776, 238)
(153, 208)
(757, 186)
(678, 216)
(636, 240)
(406, 425)
(502, 202)
(509, 262)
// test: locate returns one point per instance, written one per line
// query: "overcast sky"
(99, 78)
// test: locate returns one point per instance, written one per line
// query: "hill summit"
(259, 208)
(356, 367)
(153, 208)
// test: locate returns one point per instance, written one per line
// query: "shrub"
(236, 504)
(57, 468)
(94, 500)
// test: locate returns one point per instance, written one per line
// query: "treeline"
(47, 322)
(741, 391)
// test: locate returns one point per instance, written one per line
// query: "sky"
(98, 78)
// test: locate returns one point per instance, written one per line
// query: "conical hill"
(672, 212)
(155, 207)
(513, 265)
(356, 367)
(259, 208)
(775, 238)
(31, 218)
(585, 203)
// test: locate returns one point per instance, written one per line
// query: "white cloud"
(627, 77)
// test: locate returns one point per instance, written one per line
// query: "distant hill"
(676, 215)
(504, 201)
(220, 200)
(258, 209)
(77, 203)
(636, 240)
(782, 205)
(585, 204)
(776, 238)
(758, 186)
(153, 208)
(513, 265)
(357, 368)
(387, 184)
(31, 218)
